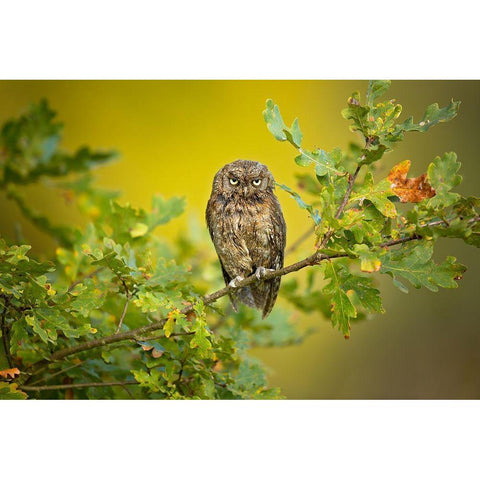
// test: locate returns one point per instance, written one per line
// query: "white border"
(240, 439)
(249, 39)
(191, 39)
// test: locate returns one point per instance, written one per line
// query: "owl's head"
(244, 178)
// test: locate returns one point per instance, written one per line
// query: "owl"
(248, 231)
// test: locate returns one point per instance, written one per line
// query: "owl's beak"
(245, 191)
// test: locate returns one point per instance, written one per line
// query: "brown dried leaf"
(411, 190)
(9, 372)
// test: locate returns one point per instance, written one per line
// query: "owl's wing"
(278, 239)
(226, 276)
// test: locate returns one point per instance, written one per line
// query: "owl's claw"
(261, 271)
(234, 283)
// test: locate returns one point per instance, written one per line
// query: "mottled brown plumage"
(247, 228)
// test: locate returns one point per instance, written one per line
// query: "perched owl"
(248, 230)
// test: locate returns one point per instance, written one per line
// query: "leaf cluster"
(360, 213)
(115, 272)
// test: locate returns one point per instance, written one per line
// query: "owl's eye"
(233, 181)
(257, 182)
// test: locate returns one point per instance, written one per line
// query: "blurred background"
(173, 136)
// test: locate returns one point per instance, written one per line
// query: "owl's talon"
(262, 271)
(234, 283)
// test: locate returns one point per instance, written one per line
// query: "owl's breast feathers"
(248, 233)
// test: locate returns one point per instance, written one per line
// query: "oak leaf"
(411, 190)
(9, 372)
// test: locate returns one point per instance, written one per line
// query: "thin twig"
(351, 181)
(66, 369)
(340, 209)
(127, 293)
(40, 388)
(299, 241)
(5, 336)
(82, 279)
(128, 391)
(156, 337)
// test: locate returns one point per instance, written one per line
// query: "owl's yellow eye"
(233, 181)
(257, 182)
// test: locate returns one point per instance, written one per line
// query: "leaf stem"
(124, 312)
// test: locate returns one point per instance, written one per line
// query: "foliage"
(361, 218)
(120, 311)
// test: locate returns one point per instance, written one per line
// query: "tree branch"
(137, 333)
(5, 336)
(314, 259)
(40, 388)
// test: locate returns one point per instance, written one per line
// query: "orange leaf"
(9, 372)
(156, 353)
(412, 190)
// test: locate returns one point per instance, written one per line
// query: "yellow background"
(174, 135)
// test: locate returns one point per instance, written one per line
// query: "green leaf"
(274, 120)
(377, 194)
(9, 391)
(174, 317)
(294, 135)
(367, 295)
(37, 328)
(432, 116)
(87, 297)
(442, 175)
(164, 210)
(303, 160)
(151, 301)
(276, 330)
(200, 339)
(150, 380)
(30, 149)
(369, 260)
(415, 264)
(313, 212)
(376, 88)
(342, 307)
(139, 230)
(18, 335)
(250, 376)
(357, 114)
(277, 127)
(372, 154)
